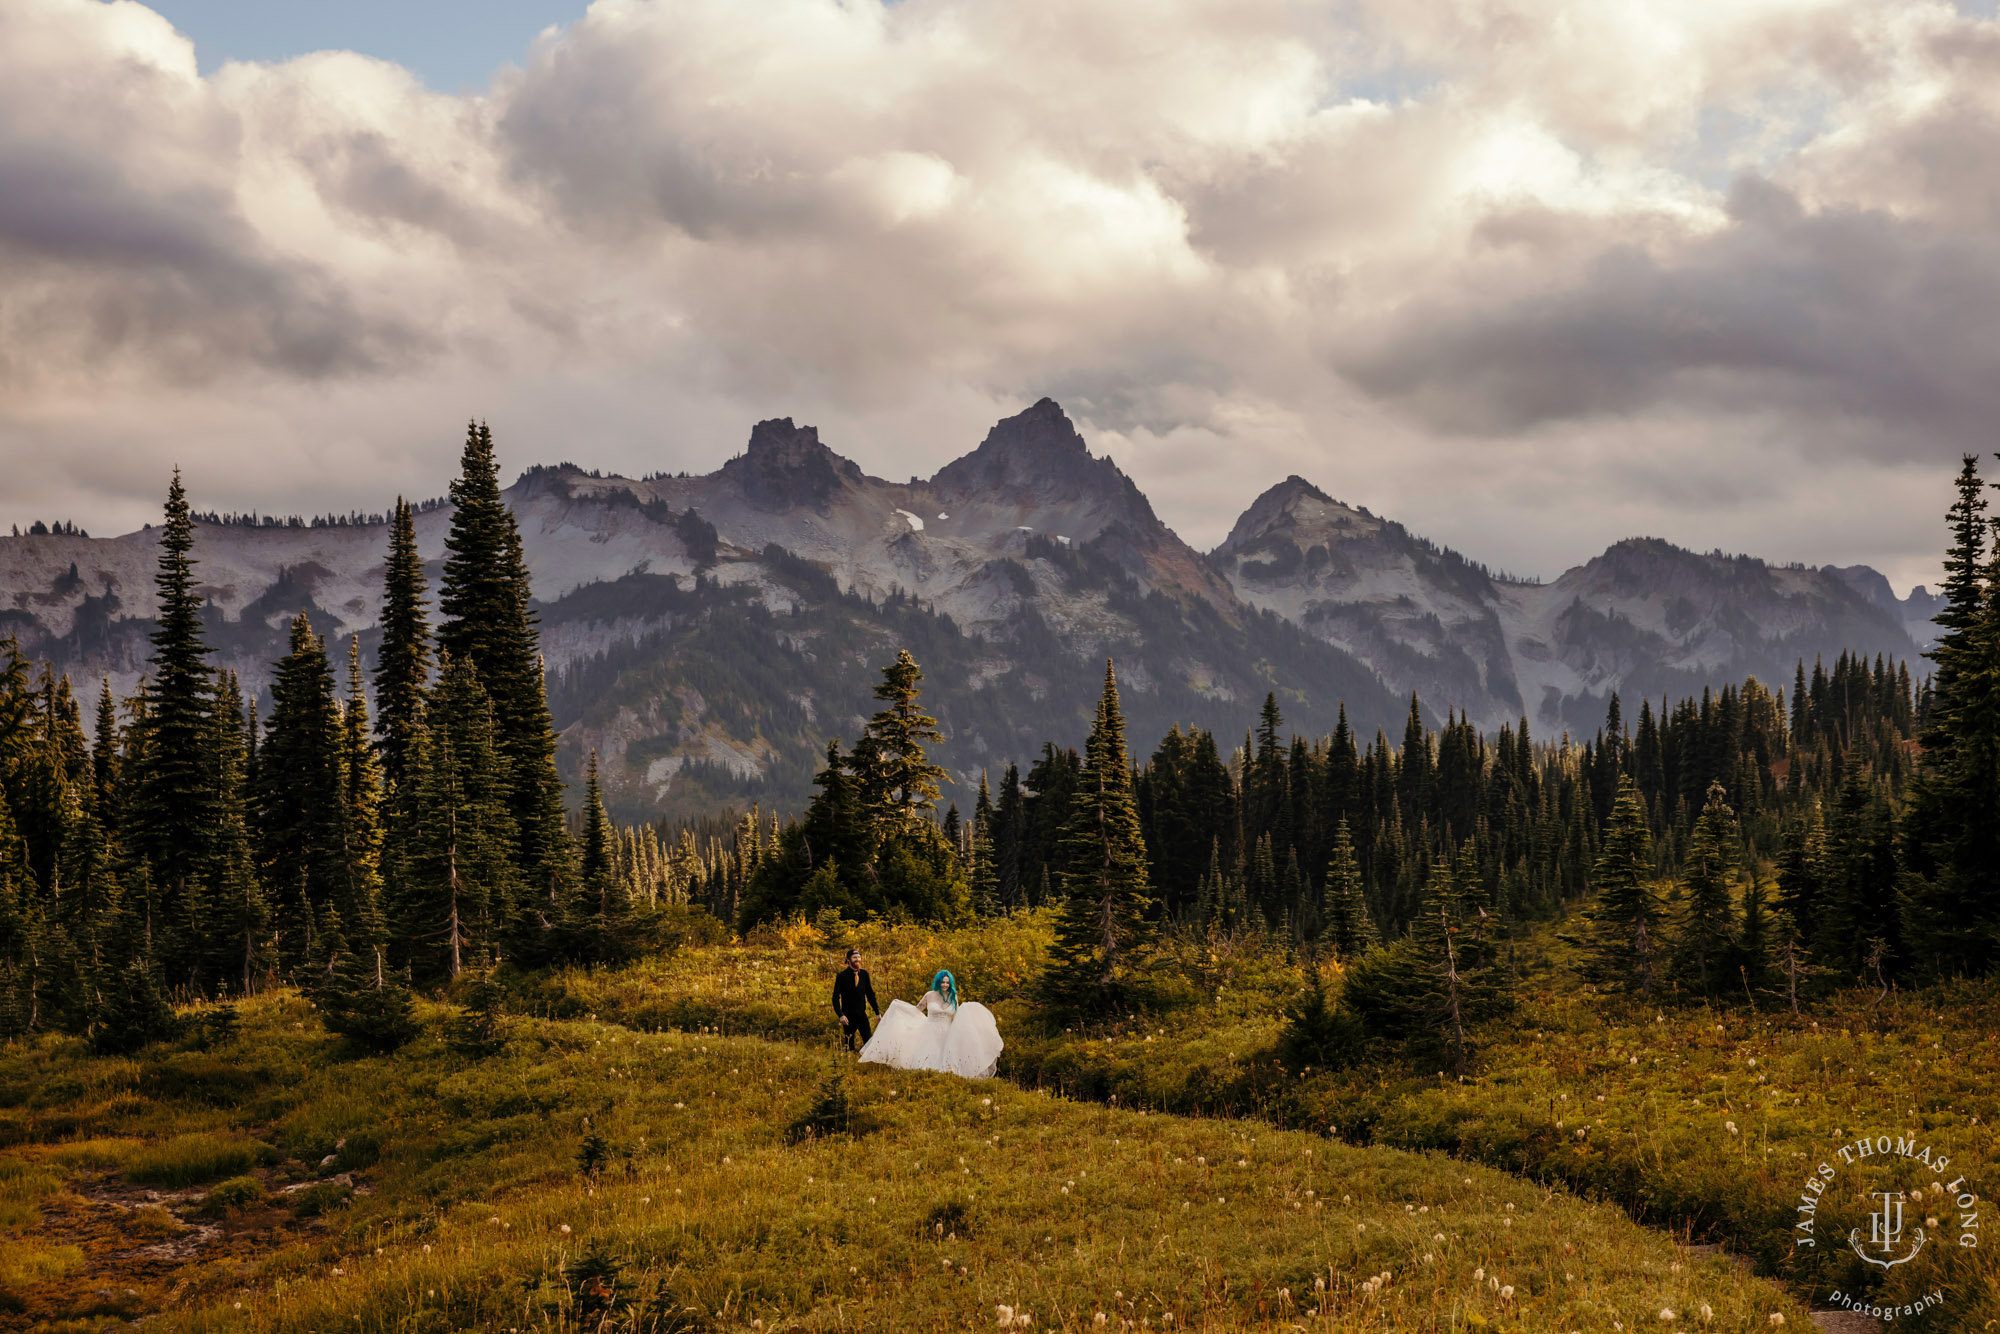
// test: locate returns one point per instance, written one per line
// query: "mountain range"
(706, 634)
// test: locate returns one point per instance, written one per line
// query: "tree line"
(185, 848)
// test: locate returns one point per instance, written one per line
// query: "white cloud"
(1563, 254)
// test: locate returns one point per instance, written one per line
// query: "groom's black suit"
(853, 994)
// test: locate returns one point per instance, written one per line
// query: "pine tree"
(1348, 927)
(239, 913)
(104, 759)
(361, 819)
(1624, 941)
(985, 877)
(169, 820)
(604, 907)
(1705, 938)
(490, 627)
(403, 661)
(355, 997)
(1430, 988)
(132, 1009)
(1103, 928)
(454, 893)
(300, 803)
(902, 784)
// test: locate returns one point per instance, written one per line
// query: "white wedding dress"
(959, 1039)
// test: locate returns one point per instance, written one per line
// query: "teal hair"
(945, 985)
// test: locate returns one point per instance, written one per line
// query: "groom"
(853, 995)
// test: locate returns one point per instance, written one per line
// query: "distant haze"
(1532, 276)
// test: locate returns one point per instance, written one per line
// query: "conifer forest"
(1338, 944)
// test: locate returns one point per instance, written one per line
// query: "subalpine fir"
(489, 627)
(1105, 923)
(169, 820)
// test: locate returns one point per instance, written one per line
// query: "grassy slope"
(956, 1198)
(1628, 1103)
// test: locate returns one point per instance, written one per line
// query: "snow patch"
(1064, 540)
(942, 515)
(916, 524)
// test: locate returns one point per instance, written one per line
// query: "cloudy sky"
(1530, 275)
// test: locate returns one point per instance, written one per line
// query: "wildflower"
(1479, 1274)
(1707, 1313)
(1730, 1126)
(1438, 1237)
(1429, 1258)
(947, 1264)
(986, 1102)
(1777, 1317)
(1666, 1313)
(565, 1232)
(1098, 1319)
(1510, 1208)
(680, 1106)
(1507, 1293)
(1004, 1316)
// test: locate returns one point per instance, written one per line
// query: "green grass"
(952, 1199)
(189, 1160)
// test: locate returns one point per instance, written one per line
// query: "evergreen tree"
(455, 894)
(1705, 939)
(1348, 927)
(240, 915)
(402, 671)
(1624, 940)
(1103, 929)
(490, 627)
(985, 876)
(604, 907)
(169, 820)
(132, 1008)
(902, 784)
(355, 997)
(104, 753)
(301, 800)
(361, 819)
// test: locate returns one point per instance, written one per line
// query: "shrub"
(593, 1155)
(830, 1114)
(236, 1193)
(377, 1018)
(477, 1030)
(314, 1200)
(1318, 1031)
(189, 1160)
(597, 1284)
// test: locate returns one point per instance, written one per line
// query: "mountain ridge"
(704, 632)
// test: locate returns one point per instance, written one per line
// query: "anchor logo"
(1885, 1230)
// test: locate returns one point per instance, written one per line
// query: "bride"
(945, 1034)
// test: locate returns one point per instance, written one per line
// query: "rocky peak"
(786, 467)
(1039, 452)
(1297, 510)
